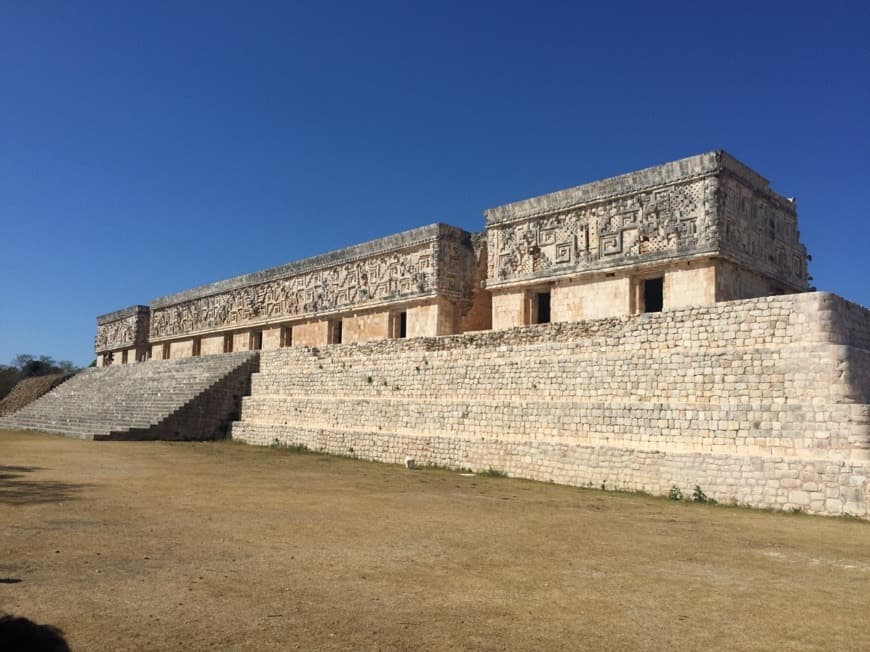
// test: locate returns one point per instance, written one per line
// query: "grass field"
(157, 545)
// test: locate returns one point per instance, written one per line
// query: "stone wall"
(762, 402)
(758, 228)
(435, 262)
(122, 332)
(706, 205)
(690, 232)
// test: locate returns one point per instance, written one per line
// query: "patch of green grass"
(296, 449)
(698, 496)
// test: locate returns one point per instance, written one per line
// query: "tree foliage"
(27, 366)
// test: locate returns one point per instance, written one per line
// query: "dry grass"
(222, 546)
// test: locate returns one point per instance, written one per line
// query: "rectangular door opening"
(398, 325)
(542, 307)
(653, 294)
(335, 332)
(256, 341)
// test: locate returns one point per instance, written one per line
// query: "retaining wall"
(762, 402)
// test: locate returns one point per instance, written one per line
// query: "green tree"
(25, 365)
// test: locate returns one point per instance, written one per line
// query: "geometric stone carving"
(437, 260)
(122, 329)
(707, 204)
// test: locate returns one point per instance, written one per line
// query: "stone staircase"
(28, 390)
(190, 398)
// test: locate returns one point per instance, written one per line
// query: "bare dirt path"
(155, 545)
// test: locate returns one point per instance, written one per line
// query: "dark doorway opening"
(653, 294)
(403, 324)
(335, 334)
(543, 308)
(256, 341)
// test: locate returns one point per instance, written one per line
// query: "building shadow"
(17, 489)
(19, 634)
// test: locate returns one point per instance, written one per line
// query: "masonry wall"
(599, 296)
(212, 345)
(762, 402)
(365, 327)
(181, 349)
(733, 282)
(692, 283)
(608, 297)
(310, 334)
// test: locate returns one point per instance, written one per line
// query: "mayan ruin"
(645, 332)
(694, 232)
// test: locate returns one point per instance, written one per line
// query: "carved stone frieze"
(762, 232)
(122, 329)
(441, 265)
(706, 204)
(653, 224)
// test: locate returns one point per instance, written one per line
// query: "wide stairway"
(191, 398)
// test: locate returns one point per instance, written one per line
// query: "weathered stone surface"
(431, 261)
(28, 390)
(703, 205)
(127, 328)
(732, 397)
(690, 232)
(667, 361)
(183, 399)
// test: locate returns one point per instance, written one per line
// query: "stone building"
(669, 342)
(691, 232)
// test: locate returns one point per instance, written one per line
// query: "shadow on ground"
(15, 489)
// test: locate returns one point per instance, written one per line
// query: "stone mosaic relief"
(677, 218)
(404, 274)
(759, 229)
(122, 333)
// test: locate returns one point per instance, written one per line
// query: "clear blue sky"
(148, 147)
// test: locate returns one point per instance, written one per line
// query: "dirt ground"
(157, 545)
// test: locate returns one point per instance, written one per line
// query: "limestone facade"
(642, 332)
(122, 336)
(691, 232)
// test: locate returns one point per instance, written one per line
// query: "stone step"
(131, 398)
